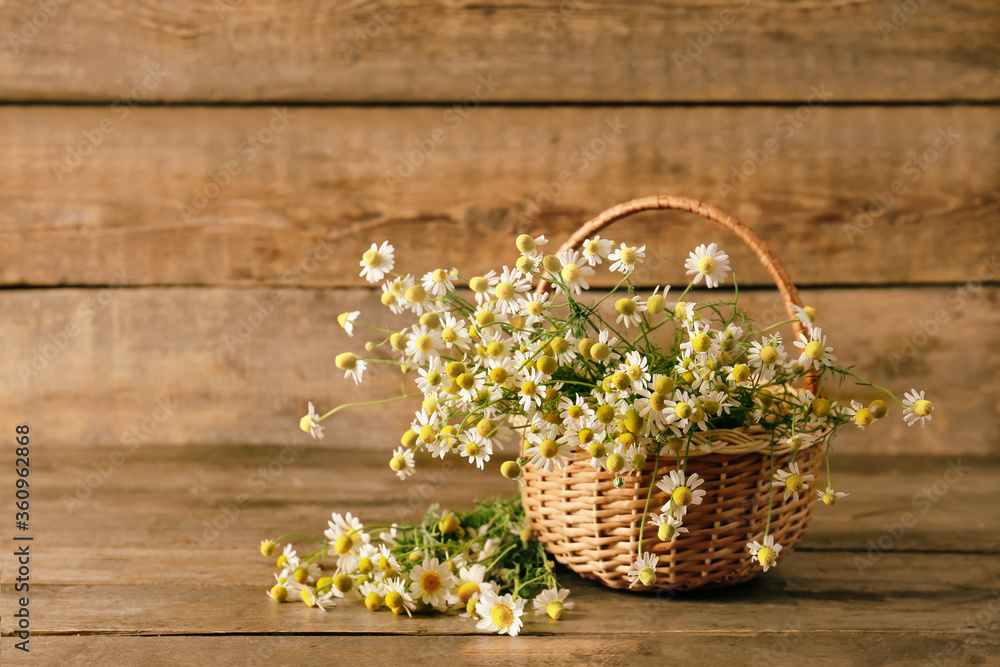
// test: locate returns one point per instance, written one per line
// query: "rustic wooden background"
(170, 170)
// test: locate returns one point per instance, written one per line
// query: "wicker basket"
(593, 528)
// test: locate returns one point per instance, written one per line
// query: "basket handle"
(669, 202)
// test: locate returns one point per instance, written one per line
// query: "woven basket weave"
(593, 528)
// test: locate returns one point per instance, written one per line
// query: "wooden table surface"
(159, 565)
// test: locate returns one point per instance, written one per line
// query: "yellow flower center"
(431, 320)
(634, 372)
(555, 609)
(628, 256)
(372, 258)
(397, 287)
(682, 410)
(625, 306)
(393, 600)
(810, 313)
(615, 463)
(663, 385)
(864, 417)
(472, 449)
(416, 294)
(505, 291)
(570, 273)
(430, 581)
(536, 308)
(815, 350)
(621, 380)
(365, 565)
(439, 276)
(766, 556)
(479, 284)
(388, 299)
(830, 498)
(821, 407)
(592, 248)
(795, 442)
(498, 375)
(466, 380)
(344, 544)
(502, 616)
(549, 448)
(585, 435)
(279, 593)
(547, 365)
(306, 424)
(656, 304)
(710, 407)
(397, 463)
(768, 354)
(666, 532)
(923, 408)
(597, 450)
(428, 433)
(682, 496)
(707, 265)
(467, 590)
(529, 388)
(434, 378)
(600, 351)
(638, 461)
(343, 583)
(495, 349)
(373, 601)
(794, 483)
(423, 343)
(647, 576)
(346, 361)
(633, 421)
(702, 342)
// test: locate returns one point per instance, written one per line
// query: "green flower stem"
(649, 497)
(358, 405)
(770, 502)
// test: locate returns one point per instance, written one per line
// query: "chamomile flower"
(401, 462)
(625, 258)
(430, 583)
(346, 534)
(766, 356)
(471, 583)
(373, 593)
(552, 601)
(766, 553)
(392, 298)
(643, 570)
(595, 250)
(531, 389)
(454, 332)
(793, 481)
(480, 286)
(668, 528)
(815, 353)
(830, 497)
(636, 366)
(475, 448)
(547, 455)
(683, 491)
(572, 410)
(806, 314)
(346, 320)
(916, 408)
(430, 377)
(708, 262)
(572, 273)
(630, 310)
(797, 441)
(532, 308)
(422, 344)
(716, 403)
(310, 423)
(509, 288)
(500, 614)
(681, 410)
(861, 415)
(377, 262)
(438, 282)
(353, 367)
(288, 558)
(397, 597)
(528, 246)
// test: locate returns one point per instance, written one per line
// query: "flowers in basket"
(625, 378)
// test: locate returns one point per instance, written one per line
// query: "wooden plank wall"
(185, 187)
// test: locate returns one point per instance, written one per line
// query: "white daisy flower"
(680, 410)
(397, 598)
(806, 315)
(528, 246)
(288, 558)
(454, 332)
(625, 258)
(596, 250)
(509, 288)
(475, 448)
(793, 481)
(391, 298)
(346, 320)
(630, 310)
(916, 408)
(354, 368)
(532, 308)
(716, 403)
(310, 423)
(815, 353)
(377, 262)
(830, 497)
(431, 582)
(571, 411)
(766, 356)
(531, 389)
(430, 377)
(546, 455)
(471, 583)
(438, 282)
(766, 553)
(422, 344)
(425, 425)
(572, 273)
(861, 415)
(401, 462)
(636, 366)
(708, 262)
(552, 601)
(500, 614)
(373, 593)
(668, 528)
(797, 441)
(644, 570)
(480, 285)
(683, 491)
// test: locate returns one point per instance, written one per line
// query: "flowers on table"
(613, 379)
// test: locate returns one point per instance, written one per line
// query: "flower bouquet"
(661, 442)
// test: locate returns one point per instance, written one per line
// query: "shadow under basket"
(593, 528)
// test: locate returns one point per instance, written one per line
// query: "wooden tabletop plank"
(299, 206)
(860, 649)
(538, 50)
(140, 368)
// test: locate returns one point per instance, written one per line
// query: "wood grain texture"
(144, 206)
(731, 50)
(863, 649)
(225, 365)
